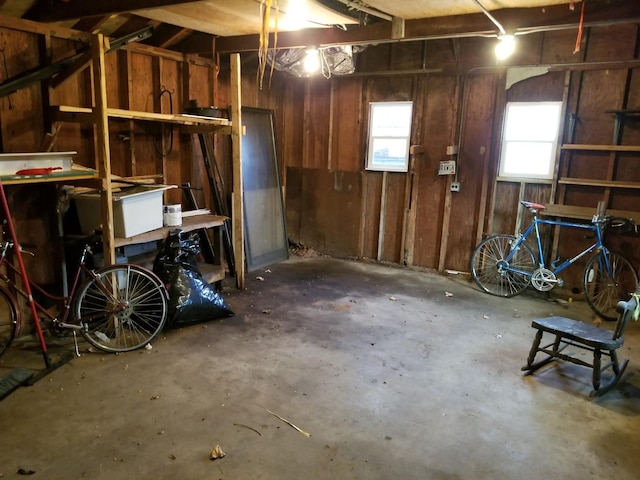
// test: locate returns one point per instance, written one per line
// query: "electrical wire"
(491, 17)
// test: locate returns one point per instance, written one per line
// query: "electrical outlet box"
(447, 167)
(455, 186)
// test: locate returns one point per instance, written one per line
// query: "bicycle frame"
(14, 289)
(535, 227)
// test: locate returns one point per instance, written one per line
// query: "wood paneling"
(370, 218)
(292, 134)
(558, 46)
(616, 42)
(333, 204)
(438, 128)
(406, 56)
(323, 209)
(347, 143)
(480, 94)
(317, 102)
(393, 218)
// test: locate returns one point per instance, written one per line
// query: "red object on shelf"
(37, 171)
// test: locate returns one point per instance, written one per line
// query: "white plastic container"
(135, 210)
(10, 163)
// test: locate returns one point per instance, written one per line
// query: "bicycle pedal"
(559, 282)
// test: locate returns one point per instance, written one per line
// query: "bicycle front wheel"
(497, 276)
(123, 308)
(604, 291)
(9, 320)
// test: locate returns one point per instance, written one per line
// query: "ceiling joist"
(517, 20)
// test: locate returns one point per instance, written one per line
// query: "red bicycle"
(117, 308)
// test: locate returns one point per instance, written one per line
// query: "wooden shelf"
(601, 148)
(598, 183)
(632, 112)
(66, 113)
(211, 273)
(583, 213)
(70, 176)
(188, 224)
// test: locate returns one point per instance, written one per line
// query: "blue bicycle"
(505, 265)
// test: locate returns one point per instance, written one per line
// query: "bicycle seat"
(533, 207)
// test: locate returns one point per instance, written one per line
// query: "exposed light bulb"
(312, 60)
(295, 15)
(297, 9)
(505, 47)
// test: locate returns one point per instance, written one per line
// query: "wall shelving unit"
(99, 116)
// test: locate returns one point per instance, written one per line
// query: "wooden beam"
(383, 216)
(57, 11)
(410, 213)
(90, 24)
(601, 148)
(56, 31)
(169, 54)
(76, 66)
(103, 153)
(133, 24)
(125, 81)
(397, 28)
(236, 142)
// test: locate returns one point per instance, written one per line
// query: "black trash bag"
(191, 298)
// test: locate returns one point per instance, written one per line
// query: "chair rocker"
(587, 337)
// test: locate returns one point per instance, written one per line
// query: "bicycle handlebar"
(618, 224)
(9, 244)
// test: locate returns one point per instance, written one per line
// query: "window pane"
(391, 120)
(527, 158)
(389, 136)
(530, 139)
(532, 122)
(389, 152)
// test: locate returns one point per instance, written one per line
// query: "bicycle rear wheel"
(494, 274)
(122, 309)
(9, 320)
(603, 292)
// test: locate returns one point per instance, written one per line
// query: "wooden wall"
(333, 204)
(138, 78)
(459, 92)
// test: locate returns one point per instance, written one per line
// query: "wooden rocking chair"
(587, 337)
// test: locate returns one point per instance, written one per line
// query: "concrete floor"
(393, 378)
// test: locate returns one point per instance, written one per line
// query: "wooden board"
(188, 224)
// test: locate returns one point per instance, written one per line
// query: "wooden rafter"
(90, 24)
(57, 10)
(167, 35)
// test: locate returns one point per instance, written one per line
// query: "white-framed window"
(529, 140)
(389, 136)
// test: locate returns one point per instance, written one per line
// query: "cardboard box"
(10, 163)
(136, 210)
